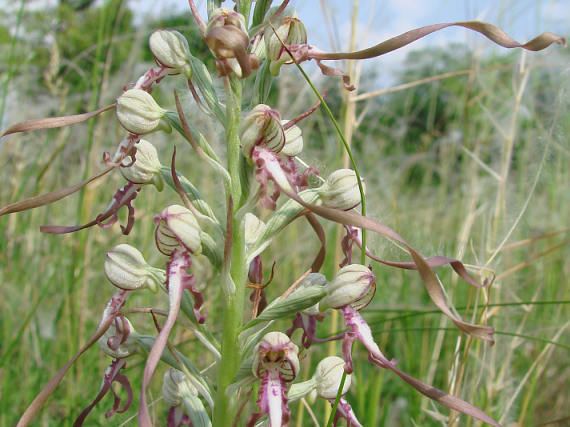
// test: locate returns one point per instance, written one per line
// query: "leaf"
(490, 31)
(287, 213)
(53, 122)
(203, 80)
(46, 199)
(299, 300)
(196, 411)
(261, 8)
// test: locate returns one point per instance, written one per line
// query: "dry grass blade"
(490, 31)
(46, 199)
(53, 122)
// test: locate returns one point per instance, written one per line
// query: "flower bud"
(291, 31)
(340, 190)
(277, 352)
(328, 376)
(117, 341)
(176, 228)
(126, 268)
(175, 387)
(146, 166)
(235, 33)
(170, 49)
(354, 285)
(293, 140)
(138, 112)
(262, 126)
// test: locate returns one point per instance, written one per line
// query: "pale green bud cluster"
(353, 285)
(146, 167)
(126, 268)
(340, 190)
(177, 228)
(170, 49)
(139, 113)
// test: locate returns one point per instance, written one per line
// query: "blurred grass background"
(466, 154)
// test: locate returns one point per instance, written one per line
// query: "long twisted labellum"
(113, 375)
(445, 399)
(54, 122)
(434, 261)
(32, 410)
(431, 282)
(490, 31)
(180, 260)
(123, 197)
(46, 199)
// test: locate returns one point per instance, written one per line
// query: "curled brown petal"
(230, 39)
(490, 31)
(46, 199)
(54, 122)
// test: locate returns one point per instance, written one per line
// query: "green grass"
(421, 184)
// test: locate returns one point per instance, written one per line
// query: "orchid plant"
(267, 187)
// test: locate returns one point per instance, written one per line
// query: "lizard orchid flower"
(276, 364)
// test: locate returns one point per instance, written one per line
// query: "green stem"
(234, 302)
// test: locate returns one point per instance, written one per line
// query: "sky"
(382, 19)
